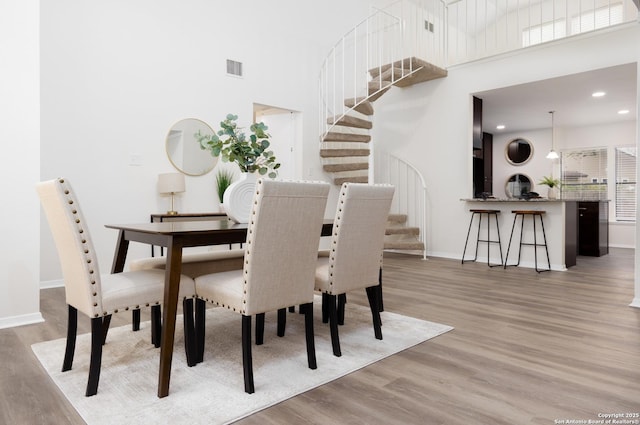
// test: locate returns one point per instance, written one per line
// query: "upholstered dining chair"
(97, 296)
(280, 259)
(354, 258)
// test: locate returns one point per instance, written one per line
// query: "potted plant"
(553, 185)
(252, 155)
(230, 143)
(224, 178)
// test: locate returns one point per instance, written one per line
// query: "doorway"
(285, 128)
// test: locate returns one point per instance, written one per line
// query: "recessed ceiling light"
(623, 111)
(501, 126)
(598, 94)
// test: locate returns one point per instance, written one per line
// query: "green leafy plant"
(549, 181)
(230, 143)
(223, 179)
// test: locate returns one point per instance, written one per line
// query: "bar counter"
(560, 225)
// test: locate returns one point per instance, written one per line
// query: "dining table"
(174, 237)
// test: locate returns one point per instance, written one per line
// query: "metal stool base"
(488, 241)
(535, 244)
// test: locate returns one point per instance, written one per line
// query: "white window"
(598, 18)
(584, 174)
(542, 33)
(626, 183)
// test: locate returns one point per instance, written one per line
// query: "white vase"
(552, 193)
(238, 197)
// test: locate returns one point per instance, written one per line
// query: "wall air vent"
(234, 68)
(428, 26)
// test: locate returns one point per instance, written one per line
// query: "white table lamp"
(171, 183)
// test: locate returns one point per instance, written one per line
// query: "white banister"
(410, 197)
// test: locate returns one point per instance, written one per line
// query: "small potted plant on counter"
(553, 185)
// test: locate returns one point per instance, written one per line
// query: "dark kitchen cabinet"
(477, 123)
(593, 228)
(483, 167)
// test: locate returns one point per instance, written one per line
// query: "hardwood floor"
(527, 348)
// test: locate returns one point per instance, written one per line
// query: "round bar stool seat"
(488, 240)
(533, 214)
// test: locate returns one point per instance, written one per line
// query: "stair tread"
(350, 121)
(335, 168)
(334, 153)
(414, 245)
(402, 230)
(360, 104)
(334, 136)
(354, 179)
(397, 218)
(421, 71)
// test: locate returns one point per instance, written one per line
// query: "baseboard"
(46, 284)
(635, 303)
(25, 319)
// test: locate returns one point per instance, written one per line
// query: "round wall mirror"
(519, 151)
(184, 150)
(518, 185)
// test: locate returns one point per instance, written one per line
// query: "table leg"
(171, 289)
(120, 255)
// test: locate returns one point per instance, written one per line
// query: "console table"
(164, 217)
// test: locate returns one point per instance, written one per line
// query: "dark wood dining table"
(175, 236)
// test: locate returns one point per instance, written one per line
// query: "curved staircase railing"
(381, 51)
(409, 205)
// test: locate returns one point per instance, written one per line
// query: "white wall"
(430, 123)
(20, 111)
(116, 75)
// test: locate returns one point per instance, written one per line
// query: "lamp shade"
(171, 183)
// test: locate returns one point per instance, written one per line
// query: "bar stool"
(488, 213)
(533, 214)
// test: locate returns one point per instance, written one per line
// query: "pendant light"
(552, 153)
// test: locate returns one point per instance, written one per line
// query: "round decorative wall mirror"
(519, 151)
(518, 185)
(184, 150)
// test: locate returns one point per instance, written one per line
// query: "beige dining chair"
(280, 259)
(354, 259)
(98, 295)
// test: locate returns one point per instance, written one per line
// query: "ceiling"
(526, 106)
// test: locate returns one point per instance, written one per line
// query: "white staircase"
(379, 53)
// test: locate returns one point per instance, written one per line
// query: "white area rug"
(213, 391)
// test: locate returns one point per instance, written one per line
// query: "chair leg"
(189, 332)
(308, 330)
(106, 321)
(342, 301)
(325, 308)
(72, 328)
(282, 321)
(333, 325)
(156, 325)
(96, 355)
(135, 319)
(259, 328)
(372, 295)
(201, 310)
(247, 364)
(380, 302)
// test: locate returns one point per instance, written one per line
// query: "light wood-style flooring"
(527, 348)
